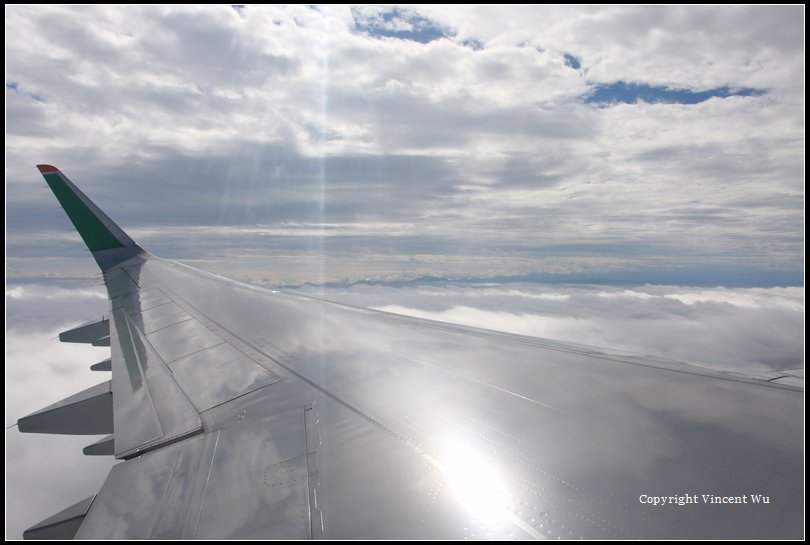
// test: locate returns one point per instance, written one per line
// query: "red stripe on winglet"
(47, 168)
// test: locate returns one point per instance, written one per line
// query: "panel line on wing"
(207, 480)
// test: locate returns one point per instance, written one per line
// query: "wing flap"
(150, 408)
(238, 482)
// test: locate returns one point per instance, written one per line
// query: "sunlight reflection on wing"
(476, 482)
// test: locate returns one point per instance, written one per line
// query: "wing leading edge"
(245, 413)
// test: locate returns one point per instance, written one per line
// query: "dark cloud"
(249, 184)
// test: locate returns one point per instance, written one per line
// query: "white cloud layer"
(46, 473)
(213, 118)
(748, 330)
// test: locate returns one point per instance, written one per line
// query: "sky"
(294, 144)
(630, 177)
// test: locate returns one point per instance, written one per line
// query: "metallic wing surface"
(241, 412)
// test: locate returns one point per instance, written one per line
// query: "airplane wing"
(240, 412)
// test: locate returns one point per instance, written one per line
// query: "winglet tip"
(44, 169)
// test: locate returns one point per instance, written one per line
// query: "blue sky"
(630, 93)
(400, 23)
(342, 144)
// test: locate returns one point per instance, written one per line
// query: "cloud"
(47, 307)
(745, 329)
(49, 471)
(471, 124)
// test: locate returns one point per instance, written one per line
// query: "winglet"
(109, 243)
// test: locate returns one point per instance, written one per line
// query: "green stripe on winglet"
(94, 233)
